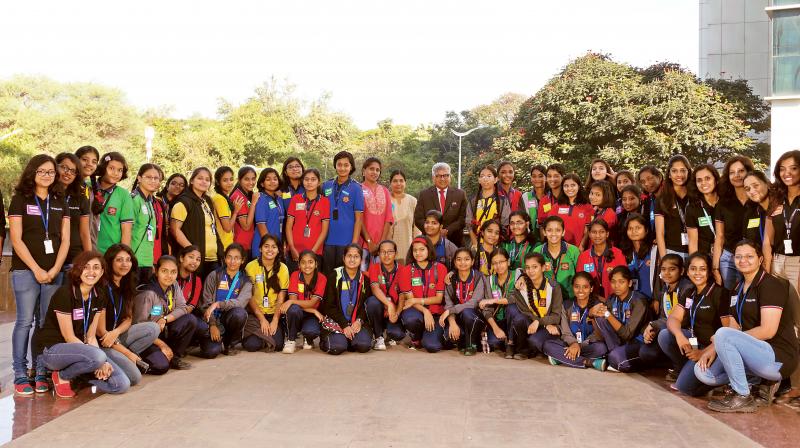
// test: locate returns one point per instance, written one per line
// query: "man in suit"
(452, 202)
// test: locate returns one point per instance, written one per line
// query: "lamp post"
(149, 134)
(460, 135)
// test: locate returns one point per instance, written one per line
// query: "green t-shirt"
(531, 205)
(144, 229)
(517, 252)
(563, 267)
(499, 291)
(118, 209)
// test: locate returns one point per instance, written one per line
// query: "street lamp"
(460, 135)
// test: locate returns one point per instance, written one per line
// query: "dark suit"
(454, 211)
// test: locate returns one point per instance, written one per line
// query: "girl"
(79, 234)
(382, 304)
(70, 348)
(702, 309)
(445, 249)
(671, 235)
(624, 178)
(243, 227)
(120, 339)
(225, 209)
(631, 202)
(521, 242)
(601, 257)
(494, 305)
(505, 186)
(193, 223)
(487, 204)
(530, 199)
(270, 212)
(189, 260)
(701, 209)
(347, 210)
(574, 209)
(403, 205)
(143, 234)
(536, 304)
(759, 204)
(666, 295)
(270, 279)
(759, 339)
(421, 283)
(226, 293)
(161, 301)
(345, 313)
(547, 204)
(88, 156)
(600, 170)
(730, 213)
(651, 181)
(561, 258)
(40, 232)
(490, 238)
(292, 179)
(175, 186)
(601, 197)
(378, 219)
(579, 346)
(307, 221)
(782, 239)
(640, 254)
(462, 322)
(112, 205)
(306, 291)
(620, 322)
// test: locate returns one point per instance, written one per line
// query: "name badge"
(300, 206)
(301, 287)
(223, 284)
(150, 234)
(33, 210)
(579, 336)
(693, 343)
(684, 239)
(496, 294)
(563, 211)
(259, 278)
(546, 207)
(265, 302)
(734, 299)
(416, 281)
(574, 316)
(531, 203)
(328, 191)
(77, 314)
(48, 247)
(787, 247)
(287, 195)
(145, 211)
(752, 223)
(156, 310)
(689, 303)
(547, 266)
(272, 205)
(704, 222)
(588, 267)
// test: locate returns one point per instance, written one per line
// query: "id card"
(48, 246)
(150, 234)
(689, 302)
(579, 336)
(265, 302)
(496, 295)
(787, 247)
(734, 299)
(693, 343)
(635, 284)
(684, 239)
(77, 314)
(349, 310)
(335, 216)
(306, 232)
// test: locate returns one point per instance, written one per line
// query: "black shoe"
(509, 352)
(179, 364)
(521, 355)
(230, 351)
(671, 376)
(142, 366)
(767, 391)
(734, 403)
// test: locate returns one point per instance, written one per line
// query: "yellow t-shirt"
(482, 216)
(257, 276)
(223, 210)
(179, 213)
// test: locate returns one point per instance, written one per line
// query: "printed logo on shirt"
(546, 207)
(301, 287)
(346, 199)
(564, 266)
(112, 211)
(34, 210)
(580, 215)
(588, 267)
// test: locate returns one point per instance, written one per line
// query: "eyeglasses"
(388, 252)
(294, 167)
(46, 173)
(67, 170)
(442, 176)
(152, 178)
(749, 257)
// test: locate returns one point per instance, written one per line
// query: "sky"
(407, 60)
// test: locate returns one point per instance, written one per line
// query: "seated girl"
(343, 328)
(306, 290)
(270, 279)
(382, 306)
(495, 306)
(462, 322)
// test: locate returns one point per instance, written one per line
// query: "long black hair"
(667, 198)
(271, 278)
(626, 245)
(244, 171)
(580, 197)
(163, 193)
(128, 283)
(27, 180)
(74, 189)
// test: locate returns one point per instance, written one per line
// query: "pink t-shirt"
(377, 211)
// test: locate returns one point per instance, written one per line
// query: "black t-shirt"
(65, 301)
(767, 291)
(116, 305)
(673, 223)
(78, 207)
(708, 308)
(33, 234)
(779, 218)
(731, 213)
(754, 223)
(700, 215)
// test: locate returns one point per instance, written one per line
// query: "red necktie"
(442, 200)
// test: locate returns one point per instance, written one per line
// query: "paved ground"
(395, 398)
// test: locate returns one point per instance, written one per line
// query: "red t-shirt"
(159, 207)
(576, 218)
(241, 236)
(423, 283)
(192, 288)
(390, 281)
(610, 217)
(547, 207)
(299, 291)
(594, 265)
(513, 197)
(311, 213)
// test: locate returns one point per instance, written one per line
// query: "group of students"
(619, 271)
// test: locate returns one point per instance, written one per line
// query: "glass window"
(786, 53)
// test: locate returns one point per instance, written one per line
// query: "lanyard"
(682, 213)
(311, 204)
(582, 321)
(599, 212)
(503, 288)
(517, 251)
(231, 284)
(338, 191)
(183, 283)
(278, 205)
(425, 287)
(536, 294)
(487, 205)
(670, 299)
(652, 212)
(626, 305)
(389, 280)
(352, 290)
(787, 221)
(44, 214)
(555, 263)
(762, 218)
(599, 263)
(117, 311)
(306, 286)
(634, 266)
(464, 289)
(86, 318)
(742, 294)
(264, 281)
(696, 306)
(207, 211)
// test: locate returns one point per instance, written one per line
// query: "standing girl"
(624, 178)
(530, 199)
(112, 206)
(521, 242)
(486, 205)
(729, 219)
(602, 199)
(462, 322)
(307, 218)
(343, 328)
(700, 213)
(759, 204)
(547, 204)
(403, 205)
(143, 235)
(640, 254)
(671, 235)
(193, 222)
(782, 238)
(631, 202)
(270, 212)
(651, 181)
(292, 180)
(225, 210)
(346, 210)
(600, 170)
(80, 238)
(89, 156)
(243, 228)
(505, 186)
(574, 209)
(270, 279)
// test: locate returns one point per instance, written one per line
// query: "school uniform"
(445, 250)
(266, 299)
(546, 207)
(530, 204)
(232, 295)
(240, 235)
(288, 193)
(117, 210)
(786, 241)
(298, 320)
(651, 354)
(192, 288)
(345, 199)
(377, 314)
(754, 223)
(599, 267)
(222, 210)
(78, 209)
(500, 313)
(344, 305)
(423, 283)
(576, 217)
(561, 268)
(270, 212)
(482, 262)
(308, 217)
(161, 243)
(609, 215)
(461, 298)
(143, 232)
(513, 197)
(644, 270)
(200, 228)
(481, 210)
(624, 344)
(543, 304)
(576, 327)
(517, 252)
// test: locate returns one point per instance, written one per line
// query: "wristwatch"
(607, 314)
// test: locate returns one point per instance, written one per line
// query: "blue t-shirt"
(271, 212)
(641, 273)
(288, 193)
(345, 199)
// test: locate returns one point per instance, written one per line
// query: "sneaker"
(600, 364)
(42, 385)
(230, 351)
(553, 361)
(23, 387)
(767, 391)
(521, 356)
(62, 387)
(380, 343)
(611, 369)
(179, 364)
(470, 350)
(671, 376)
(142, 366)
(288, 347)
(734, 403)
(509, 352)
(307, 345)
(414, 345)
(392, 342)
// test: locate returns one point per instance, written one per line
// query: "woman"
(490, 239)
(67, 338)
(579, 345)
(601, 257)
(269, 211)
(574, 209)
(624, 178)
(161, 301)
(270, 279)
(343, 328)
(382, 305)
(226, 293)
(143, 234)
(702, 309)
(243, 223)
(505, 186)
(671, 234)
(651, 180)
(192, 221)
(346, 211)
(782, 239)
(225, 209)
(39, 223)
(494, 305)
(292, 180)
(403, 205)
(378, 217)
(561, 258)
(602, 199)
(120, 340)
(189, 260)
(554, 178)
(112, 205)
(486, 205)
(759, 204)
(640, 254)
(461, 320)
(445, 249)
(600, 170)
(306, 291)
(521, 242)
(536, 304)
(759, 340)
(620, 321)
(701, 210)
(530, 199)
(80, 238)
(421, 282)
(730, 212)
(307, 219)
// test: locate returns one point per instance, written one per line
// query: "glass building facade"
(785, 47)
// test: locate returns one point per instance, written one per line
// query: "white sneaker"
(307, 345)
(379, 344)
(392, 342)
(288, 347)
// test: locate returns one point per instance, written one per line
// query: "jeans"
(337, 343)
(592, 350)
(471, 324)
(727, 269)
(414, 323)
(32, 299)
(622, 356)
(74, 359)
(299, 321)
(739, 354)
(140, 336)
(687, 382)
(121, 362)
